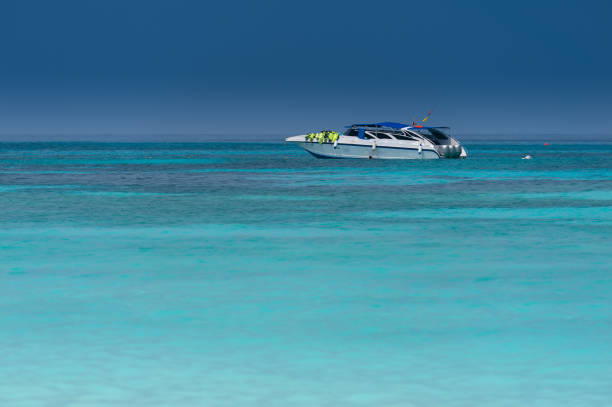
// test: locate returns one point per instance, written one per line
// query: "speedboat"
(386, 140)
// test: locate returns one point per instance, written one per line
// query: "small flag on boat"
(427, 117)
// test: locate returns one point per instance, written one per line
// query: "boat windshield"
(352, 132)
(438, 135)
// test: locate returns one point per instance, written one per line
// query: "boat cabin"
(399, 131)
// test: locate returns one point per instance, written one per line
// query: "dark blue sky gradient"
(191, 67)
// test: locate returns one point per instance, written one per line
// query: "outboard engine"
(449, 150)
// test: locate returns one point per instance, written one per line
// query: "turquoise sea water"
(256, 275)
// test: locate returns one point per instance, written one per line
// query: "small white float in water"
(527, 157)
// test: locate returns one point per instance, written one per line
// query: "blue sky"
(275, 67)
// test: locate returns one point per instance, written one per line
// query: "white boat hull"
(390, 148)
(341, 150)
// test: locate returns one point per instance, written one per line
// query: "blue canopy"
(393, 125)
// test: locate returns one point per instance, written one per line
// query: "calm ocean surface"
(255, 275)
